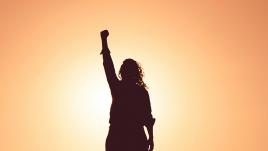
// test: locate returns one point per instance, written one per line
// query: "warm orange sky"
(205, 62)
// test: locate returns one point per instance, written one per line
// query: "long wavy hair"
(131, 69)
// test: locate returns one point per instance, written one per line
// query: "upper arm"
(147, 103)
(110, 71)
(149, 120)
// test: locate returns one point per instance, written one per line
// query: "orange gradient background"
(205, 62)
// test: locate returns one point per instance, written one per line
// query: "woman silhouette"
(130, 108)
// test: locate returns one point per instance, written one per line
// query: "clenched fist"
(104, 34)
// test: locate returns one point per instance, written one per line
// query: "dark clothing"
(122, 138)
(130, 111)
(130, 106)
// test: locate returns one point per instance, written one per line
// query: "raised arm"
(108, 62)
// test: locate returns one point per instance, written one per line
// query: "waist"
(121, 125)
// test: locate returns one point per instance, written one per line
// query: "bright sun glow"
(90, 99)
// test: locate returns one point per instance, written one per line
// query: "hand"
(104, 34)
(150, 143)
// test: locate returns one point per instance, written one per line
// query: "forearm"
(107, 59)
(104, 43)
(105, 48)
(151, 137)
(150, 131)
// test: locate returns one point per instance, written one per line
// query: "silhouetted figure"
(130, 108)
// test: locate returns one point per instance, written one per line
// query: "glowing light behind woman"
(205, 67)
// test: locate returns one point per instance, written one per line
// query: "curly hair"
(131, 69)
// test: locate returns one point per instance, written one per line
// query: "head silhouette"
(131, 70)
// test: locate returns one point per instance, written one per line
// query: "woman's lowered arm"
(149, 122)
(108, 62)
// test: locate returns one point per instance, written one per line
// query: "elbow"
(150, 122)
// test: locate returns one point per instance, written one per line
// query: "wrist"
(104, 38)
